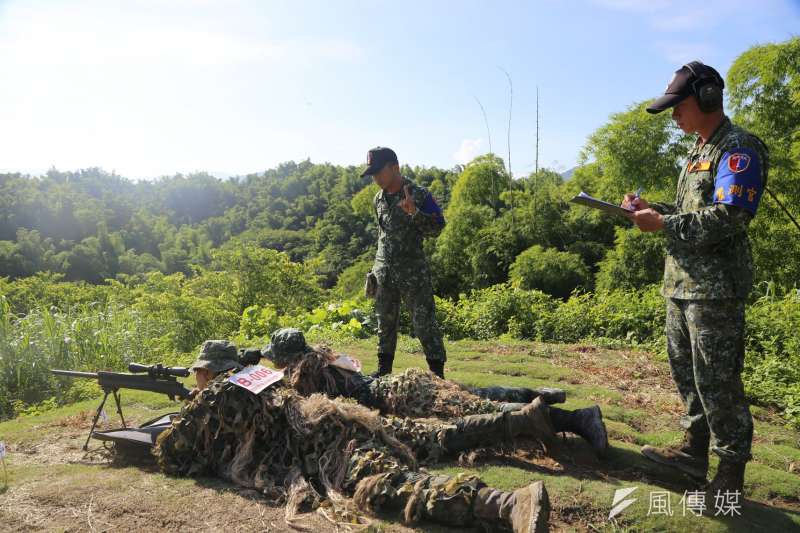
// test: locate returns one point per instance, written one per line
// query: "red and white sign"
(347, 363)
(256, 378)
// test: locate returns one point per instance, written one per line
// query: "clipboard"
(611, 209)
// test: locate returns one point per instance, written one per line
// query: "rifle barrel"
(74, 374)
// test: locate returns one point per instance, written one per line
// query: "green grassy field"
(54, 485)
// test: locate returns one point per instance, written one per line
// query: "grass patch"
(581, 490)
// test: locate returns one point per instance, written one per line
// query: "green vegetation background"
(97, 270)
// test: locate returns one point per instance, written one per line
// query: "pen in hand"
(636, 197)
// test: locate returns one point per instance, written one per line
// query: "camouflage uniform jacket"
(400, 236)
(708, 252)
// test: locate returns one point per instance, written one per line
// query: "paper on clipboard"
(594, 203)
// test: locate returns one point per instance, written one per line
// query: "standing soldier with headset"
(707, 276)
(406, 214)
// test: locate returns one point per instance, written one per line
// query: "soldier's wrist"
(670, 223)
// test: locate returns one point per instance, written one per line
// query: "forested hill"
(91, 225)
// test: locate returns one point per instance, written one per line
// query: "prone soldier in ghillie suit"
(288, 446)
(418, 393)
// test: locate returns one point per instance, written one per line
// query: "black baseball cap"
(377, 158)
(684, 83)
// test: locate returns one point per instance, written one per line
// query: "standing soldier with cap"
(707, 276)
(406, 214)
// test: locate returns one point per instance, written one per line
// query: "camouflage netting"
(225, 431)
(419, 393)
(414, 393)
(317, 450)
(289, 448)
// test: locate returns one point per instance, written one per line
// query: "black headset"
(707, 87)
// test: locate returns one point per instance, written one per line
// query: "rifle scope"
(158, 371)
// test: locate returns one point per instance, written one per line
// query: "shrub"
(636, 259)
(493, 311)
(549, 270)
(258, 321)
(772, 365)
(350, 319)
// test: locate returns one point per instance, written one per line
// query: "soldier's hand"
(647, 220)
(631, 201)
(407, 203)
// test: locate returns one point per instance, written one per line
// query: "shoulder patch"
(738, 179)
(738, 162)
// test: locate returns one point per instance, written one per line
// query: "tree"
(764, 88)
(260, 276)
(455, 245)
(635, 149)
(481, 183)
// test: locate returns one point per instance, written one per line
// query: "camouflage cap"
(217, 356)
(285, 344)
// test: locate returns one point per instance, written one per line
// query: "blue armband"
(738, 180)
(430, 207)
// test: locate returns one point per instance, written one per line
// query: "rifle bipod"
(100, 410)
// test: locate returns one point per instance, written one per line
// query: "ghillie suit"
(296, 448)
(415, 392)
(418, 393)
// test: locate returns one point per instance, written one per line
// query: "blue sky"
(154, 87)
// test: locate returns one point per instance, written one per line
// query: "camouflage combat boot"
(588, 423)
(526, 510)
(729, 478)
(691, 457)
(437, 367)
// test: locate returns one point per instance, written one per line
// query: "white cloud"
(469, 150)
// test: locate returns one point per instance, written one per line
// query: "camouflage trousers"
(705, 343)
(417, 293)
(387, 486)
(420, 394)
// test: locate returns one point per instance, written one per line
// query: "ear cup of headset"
(707, 87)
(709, 97)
